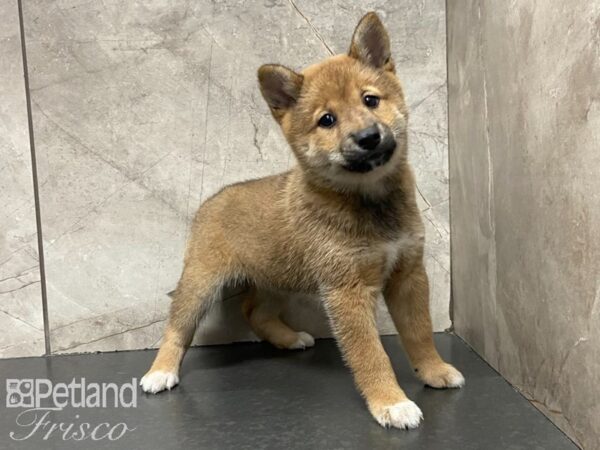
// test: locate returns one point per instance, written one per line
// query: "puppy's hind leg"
(200, 285)
(262, 313)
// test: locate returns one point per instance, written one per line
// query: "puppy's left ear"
(371, 43)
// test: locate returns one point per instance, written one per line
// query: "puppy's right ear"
(371, 43)
(280, 87)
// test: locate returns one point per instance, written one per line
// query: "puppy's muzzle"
(368, 148)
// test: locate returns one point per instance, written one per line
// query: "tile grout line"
(36, 195)
(451, 299)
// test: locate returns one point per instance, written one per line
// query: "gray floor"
(254, 396)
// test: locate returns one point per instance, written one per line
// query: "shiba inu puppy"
(343, 224)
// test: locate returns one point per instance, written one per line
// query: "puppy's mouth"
(361, 161)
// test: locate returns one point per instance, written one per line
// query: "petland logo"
(42, 399)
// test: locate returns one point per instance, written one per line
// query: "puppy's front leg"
(407, 297)
(352, 316)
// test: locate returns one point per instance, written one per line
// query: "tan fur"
(349, 237)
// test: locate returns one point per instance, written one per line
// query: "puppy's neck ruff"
(371, 216)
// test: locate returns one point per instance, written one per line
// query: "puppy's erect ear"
(279, 86)
(371, 44)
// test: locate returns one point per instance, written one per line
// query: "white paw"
(404, 415)
(455, 379)
(442, 376)
(304, 340)
(159, 380)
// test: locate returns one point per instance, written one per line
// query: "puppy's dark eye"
(371, 101)
(327, 120)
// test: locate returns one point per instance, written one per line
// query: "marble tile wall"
(524, 133)
(143, 109)
(20, 294)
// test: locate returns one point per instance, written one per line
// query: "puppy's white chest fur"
(407, 245)
(391, 252)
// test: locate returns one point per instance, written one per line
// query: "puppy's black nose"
(368, 138)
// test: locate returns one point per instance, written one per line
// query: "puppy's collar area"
(374, 192)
